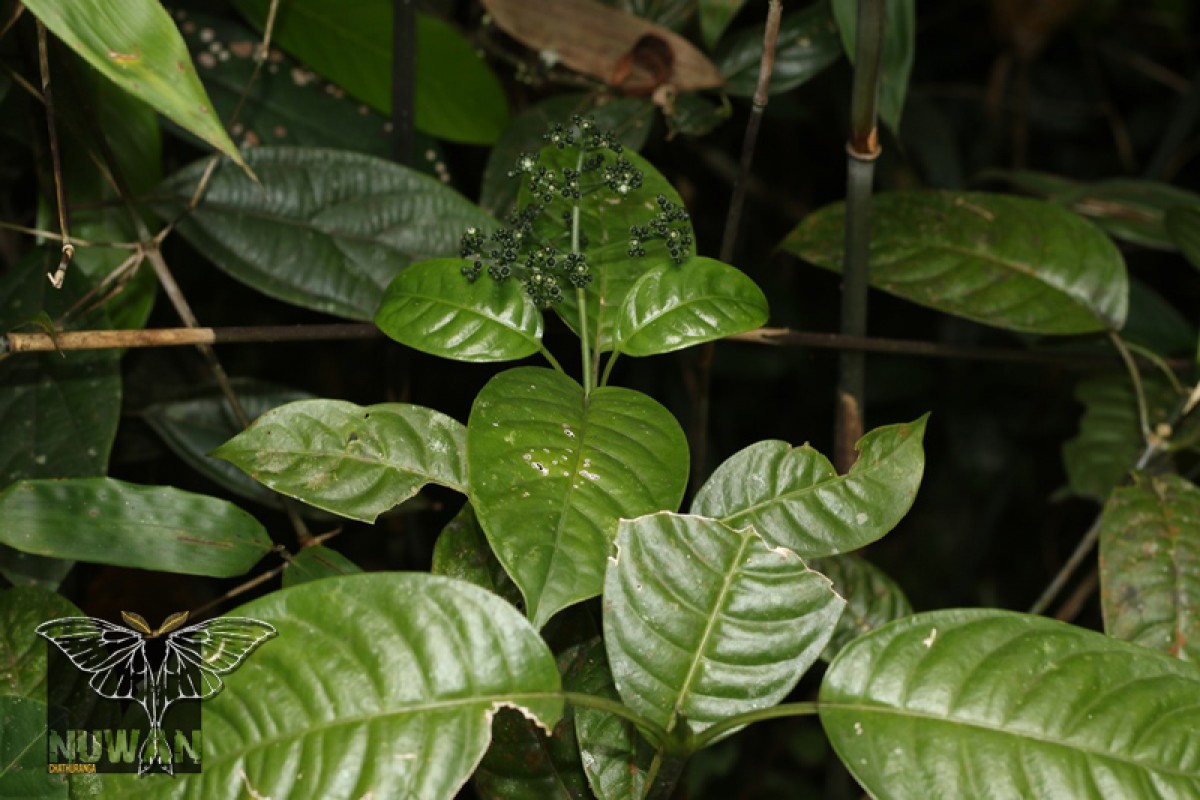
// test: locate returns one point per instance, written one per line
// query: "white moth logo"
(194, 659)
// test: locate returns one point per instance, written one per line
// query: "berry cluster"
(545, 269)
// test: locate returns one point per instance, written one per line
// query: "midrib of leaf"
(1179, 595)
(473, 312)
(982, 726)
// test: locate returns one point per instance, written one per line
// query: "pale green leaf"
(432, 307)
(351, 460)
(106, 521)
(795, 499)
(1150, 565)
(551, 472)
(326, 229)
(702, 622)
(987, 703)
(1012, 262)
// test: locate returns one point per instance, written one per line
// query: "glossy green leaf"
(628, 118)
(615, 756)
(551, 472)
(135, 45)
(351, 460)
(899, 51)
(326, 229)
(673, 306)
(106, 521)
(431, 307)
(980, 702)
(715, 16)
(1183, 226)
(605, 220)
(1150, 565)
(1110, 436)
(195, 427)
(457, 96)
(1013, 262)
(795, 499)
(462, 552)
(315, 563)
(22, 651)
(872, 598)
(23, 770)
(381, 683)
(808, 43)
(59, 414)
(702, 622)
(524, 763)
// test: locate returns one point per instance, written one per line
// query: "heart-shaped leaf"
(351, 460)
(420, 664)
(106, 521)
(551, 471)
(432, 307)
(676, 306)
(702, 621)
(1150, 565)
(795, 498)
(980, 702)
(135, 45)
(1013, 262)
(325, 229)
(22, 651)
(315, 563)
(872, 598)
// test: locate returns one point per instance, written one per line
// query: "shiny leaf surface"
(551, 472)
(351, 460)
(795, 498)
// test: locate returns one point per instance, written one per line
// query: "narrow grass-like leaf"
(326, 229)
(106, 521)
(702, 621)
(1012, 262)
(315, 563)
(673, 306)
(872, 598)
(795, 498)
(135, 45)
(381, 684)
(551, 472)
(987, 703)
(351, 460)
(1150, 565)
(433, 308)
(808, 44)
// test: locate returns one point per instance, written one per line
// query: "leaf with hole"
(702, 622)
(432, 307)
(808, 44)
(127, 525)
(673, 306)
(795, 499)
(872, 598)
(1150, 565)
(1012, 262)
(354, 461)
(422, 664)
(980, 702)
(135, 45)
(456, 96)
(325, 229)
(551, 472)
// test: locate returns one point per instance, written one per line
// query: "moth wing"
(114, 655)
(199, 654)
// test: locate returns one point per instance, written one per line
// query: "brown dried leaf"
(606, 43)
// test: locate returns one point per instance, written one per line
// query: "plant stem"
(60, 188)
(585, 352)
(608, 368)
(862, 150)
(653, 732)
(1139, 392)
(550, 357)
(710, 735)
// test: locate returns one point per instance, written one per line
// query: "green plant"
(588, 628)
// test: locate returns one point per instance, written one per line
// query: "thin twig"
(18, 9)
(702, 384)
(60, 187)
(242, 588)
(1071, 607)
(1139, 392)
(44, 234)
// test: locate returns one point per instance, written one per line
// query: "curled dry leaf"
(608, 44)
